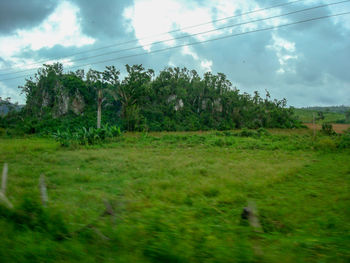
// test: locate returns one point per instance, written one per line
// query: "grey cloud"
(103, 18)
(320, 77)
(321, 70)
(20, 14)
(324, 49)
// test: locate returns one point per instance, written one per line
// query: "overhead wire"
(156, 35)
(214, 39)
(199, 42)
(189, 35)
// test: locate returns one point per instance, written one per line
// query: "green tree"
(132, 93)
(347, 116)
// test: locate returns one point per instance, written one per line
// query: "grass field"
(178, 197)
(306, 116)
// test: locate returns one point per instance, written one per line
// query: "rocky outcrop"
(66, 103)
(178, 103)
(46, 101)
(78, 104)
(62, 104)
(217, 105)
(60, 101)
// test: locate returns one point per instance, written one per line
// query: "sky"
(307, 63)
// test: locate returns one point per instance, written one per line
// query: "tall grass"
(178, 197)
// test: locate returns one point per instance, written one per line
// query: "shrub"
(247, 133)
(86, 136)
(64, 138)
(263, 132)
(344, 142)
(327, 129)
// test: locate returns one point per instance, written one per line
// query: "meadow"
(307, 115)
(178, 197)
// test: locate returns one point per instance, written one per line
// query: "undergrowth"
(179, 197)
(86, 136)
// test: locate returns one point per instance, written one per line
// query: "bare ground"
(338, 128)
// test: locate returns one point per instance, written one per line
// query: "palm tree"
(129, 91)
(95, 78)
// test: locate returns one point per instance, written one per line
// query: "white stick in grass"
(43, 191)
(4, 179)
(3, 197)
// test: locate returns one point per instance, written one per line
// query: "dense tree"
(347, 116)
(175, 99)
(95, 80)
(133, 93)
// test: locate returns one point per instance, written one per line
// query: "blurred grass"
(178, 197)
(306, 116)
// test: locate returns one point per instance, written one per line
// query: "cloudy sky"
(307, 63)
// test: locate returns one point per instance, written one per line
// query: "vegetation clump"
(87, 136)
(30, 215)
(327, 129)
(344, 142)
(177, 99)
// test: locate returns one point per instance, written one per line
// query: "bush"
(344, 142)
(86, 136)
(327, 129)
(263, 132)
(64, 138)
(247, 133)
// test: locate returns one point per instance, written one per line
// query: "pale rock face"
(179, 105)
(217, 105)
(171, 98)
(204, 103)
(46, 99)
(63, 104)
(78, 104)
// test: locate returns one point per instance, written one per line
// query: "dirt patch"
(338, 128)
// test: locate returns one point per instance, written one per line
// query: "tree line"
(175, 99)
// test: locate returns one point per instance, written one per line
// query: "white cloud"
(188, 51)
(62, 27)
(285, 52)
(206, 65)
(150, 19)
(281, 44)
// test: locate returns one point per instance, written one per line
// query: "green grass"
(306, 115)
(178, 197)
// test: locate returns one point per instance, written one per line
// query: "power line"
(188, 35)
(169, 32)
(201, 42)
